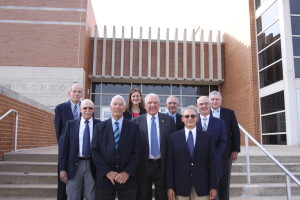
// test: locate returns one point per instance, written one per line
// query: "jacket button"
(192, 163)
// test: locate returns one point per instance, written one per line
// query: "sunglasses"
(188, 116)
(85, 108)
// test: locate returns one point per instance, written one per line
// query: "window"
(297, 67)
(268, 36)
(295, 20)
(269, 55)
(271, 75)
(295, 6)
(272, 103)
(267, 18)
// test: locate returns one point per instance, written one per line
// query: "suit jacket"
(185, 171)
(69, 156)
(166, 126)
(232, 130)
(129, 116)
(217, 128)
(107, 158)
(63, 113)
(179, 124)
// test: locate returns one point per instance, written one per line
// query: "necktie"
(75, 113)
(190, 143)
(154, 139)
(174, 117)
(116, 134)
(204, 125)
(215, 113)
(86, 150)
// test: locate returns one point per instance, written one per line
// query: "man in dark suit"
(214, 126)
(155, 129)
(191, 161)
(64, 112)
(233, 141)
(116, 149)
(172, 104)
(75, 164)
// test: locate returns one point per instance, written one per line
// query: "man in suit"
(75, 164)
(64, 112)
(155, 129)
(116, 150)
(214, 126)
(172, 104)
(191, 161)
(233, 141)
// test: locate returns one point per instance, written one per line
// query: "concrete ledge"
(21, 98)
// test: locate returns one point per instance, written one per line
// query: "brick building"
(50, 45)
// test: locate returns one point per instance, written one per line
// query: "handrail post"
(247, 160)
(288, 187)
(16, 132)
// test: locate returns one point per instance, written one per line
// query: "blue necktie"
(75, 113)
(86, 150)
(190, 143)
(116, 134)
(154, 139)
(204, 127)
(174, 116)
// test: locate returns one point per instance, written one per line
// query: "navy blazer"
(185, 171)
(217, 128)
(69, 156)
(166, 126)
(63, 113)
(232, 130)
(179, 124)
(107, 158)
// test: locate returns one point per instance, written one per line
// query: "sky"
(172, 14)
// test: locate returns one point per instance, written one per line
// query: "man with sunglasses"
(172, 104)
(76, 166)
(214, 126)
(191, 161)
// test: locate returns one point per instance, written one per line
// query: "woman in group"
(135, 105)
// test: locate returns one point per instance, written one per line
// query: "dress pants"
(224, 182)
(82, 183)
(154, 175)
(193, 196)
(110, 194)
(61, 189)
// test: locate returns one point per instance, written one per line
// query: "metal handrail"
(288, 174)
(16, 127)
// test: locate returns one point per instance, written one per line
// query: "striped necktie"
(116, 134)
(204, 124)
(75, 112)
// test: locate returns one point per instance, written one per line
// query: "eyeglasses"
(203, 104)
(85, 108)
(188, 116)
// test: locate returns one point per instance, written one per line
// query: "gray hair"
(86, 100)
(75, 84)
(152, 95)
(191, 107)
(172, 97)
(215, 93)
(117, 97)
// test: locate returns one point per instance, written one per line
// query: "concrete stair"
(32, 174)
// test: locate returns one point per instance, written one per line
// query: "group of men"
(185, 156)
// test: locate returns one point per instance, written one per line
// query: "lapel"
(124, 131)
(76, 135)
(198, 143)
(222, 114)
(182, 142)
(144, 126)
(211, 121)
(162, 126)
(69, 112)
(199, 123)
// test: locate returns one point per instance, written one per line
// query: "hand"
(234, 156)
(212, 194)
(171, 194)
(63, 176)
(111, 176)
(122, 177)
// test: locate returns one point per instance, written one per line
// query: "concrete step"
(265, 167)
(267, 189)
(28, 190)
(21, 166)
(265, 159)
(27, 157)
(28, 178)
(258, 178)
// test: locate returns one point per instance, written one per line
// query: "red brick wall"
(35, 126)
